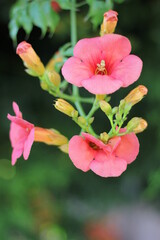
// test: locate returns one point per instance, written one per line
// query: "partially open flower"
(30, 58)
(102, 64)
(21, 135)
(106, 160)
(109, 22)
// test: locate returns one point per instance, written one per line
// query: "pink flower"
(106, 160)
(102, 64)
(21, 135)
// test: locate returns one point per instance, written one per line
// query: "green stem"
(73, 41)
(93, 109)
(72, 98)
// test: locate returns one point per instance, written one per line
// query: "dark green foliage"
(26, 14)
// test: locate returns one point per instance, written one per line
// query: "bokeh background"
(46, 197)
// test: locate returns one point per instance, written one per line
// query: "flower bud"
(54, 78)
(141, 126)
(104, 137)
(105, 107)
(136, 95)
(82, 120)
(30, 58)
(109, 22)
(57, 59)
(136, 125)
(49, 136)
(65, 107)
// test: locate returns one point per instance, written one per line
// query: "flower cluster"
(101, 65)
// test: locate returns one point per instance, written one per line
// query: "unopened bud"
(65, 107)
(109, 22)
(136, 95)
(91, 120)
(81, 120)
(49, 136)
(136, 125)
(141, 126)
(105, 107)
(104, 137)
(57, 59)
(54, 78)
(30, 58)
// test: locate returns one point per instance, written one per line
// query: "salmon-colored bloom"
(102, 64)
(106, 160)
(21, 135)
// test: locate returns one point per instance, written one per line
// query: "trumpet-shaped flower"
(106, 160)
(102, 65)
(21, 135)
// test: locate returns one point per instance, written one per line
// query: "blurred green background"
(46, 197)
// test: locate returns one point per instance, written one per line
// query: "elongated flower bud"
(105, 107)
(49, 136)
(109, 22)
(141, 126)
(54, 78)
(137, 125)
(30, 58)
(65, 107)
(136, 95)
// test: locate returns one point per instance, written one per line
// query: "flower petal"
(89, 138)
(101, 84)
(21, 122)
(128, 148)
(106, 165)
(111, 48)
(28, 144)
(74, 71)
(80, 153)
(16, 110)
(128, 71)
(89, 50)
(17, 135)
(16, 153)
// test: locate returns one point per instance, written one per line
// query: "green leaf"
(52, 18)
(13, 30)
(97, 9)
(25, 21)
(37, 16)
(66, 5)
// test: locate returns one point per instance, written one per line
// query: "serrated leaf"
(97, 9)
(37, 16)
(25, 21)
(13, 30)
(52, 18)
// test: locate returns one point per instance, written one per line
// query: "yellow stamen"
(101, 68)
